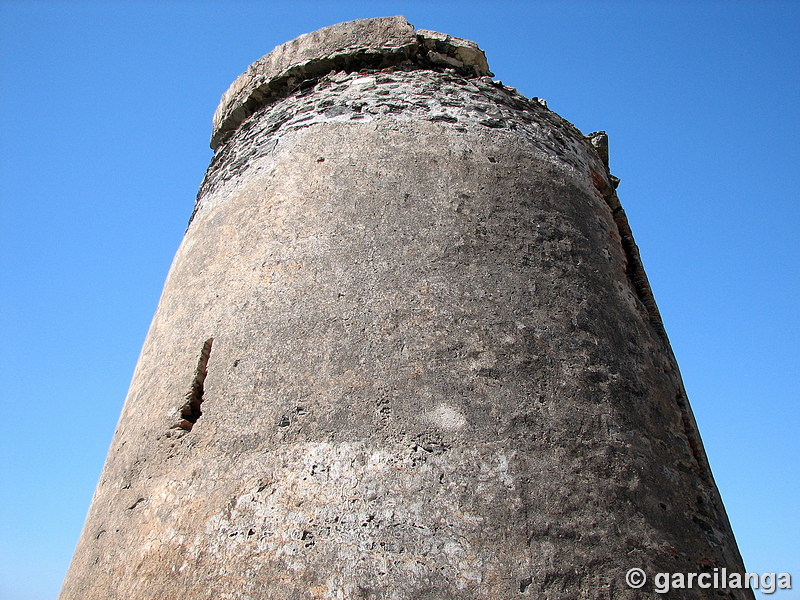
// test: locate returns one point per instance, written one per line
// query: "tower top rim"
(373, 44)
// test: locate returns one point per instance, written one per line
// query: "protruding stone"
(599, 139)
(456, 52)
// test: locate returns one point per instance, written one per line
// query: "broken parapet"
(364, 44)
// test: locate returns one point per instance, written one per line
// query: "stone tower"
(406, 350)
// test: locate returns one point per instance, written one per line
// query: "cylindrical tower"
(406, 350)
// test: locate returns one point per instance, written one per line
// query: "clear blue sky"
(105, 113)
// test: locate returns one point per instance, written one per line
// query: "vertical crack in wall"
(638, 279)
(693, 436)
(634, 270)
(190, 411)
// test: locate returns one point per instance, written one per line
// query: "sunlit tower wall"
(406, 350)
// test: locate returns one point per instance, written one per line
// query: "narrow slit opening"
(190, 411)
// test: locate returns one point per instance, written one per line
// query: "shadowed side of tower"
(406, 350)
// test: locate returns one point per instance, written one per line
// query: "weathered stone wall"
(406, 350)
